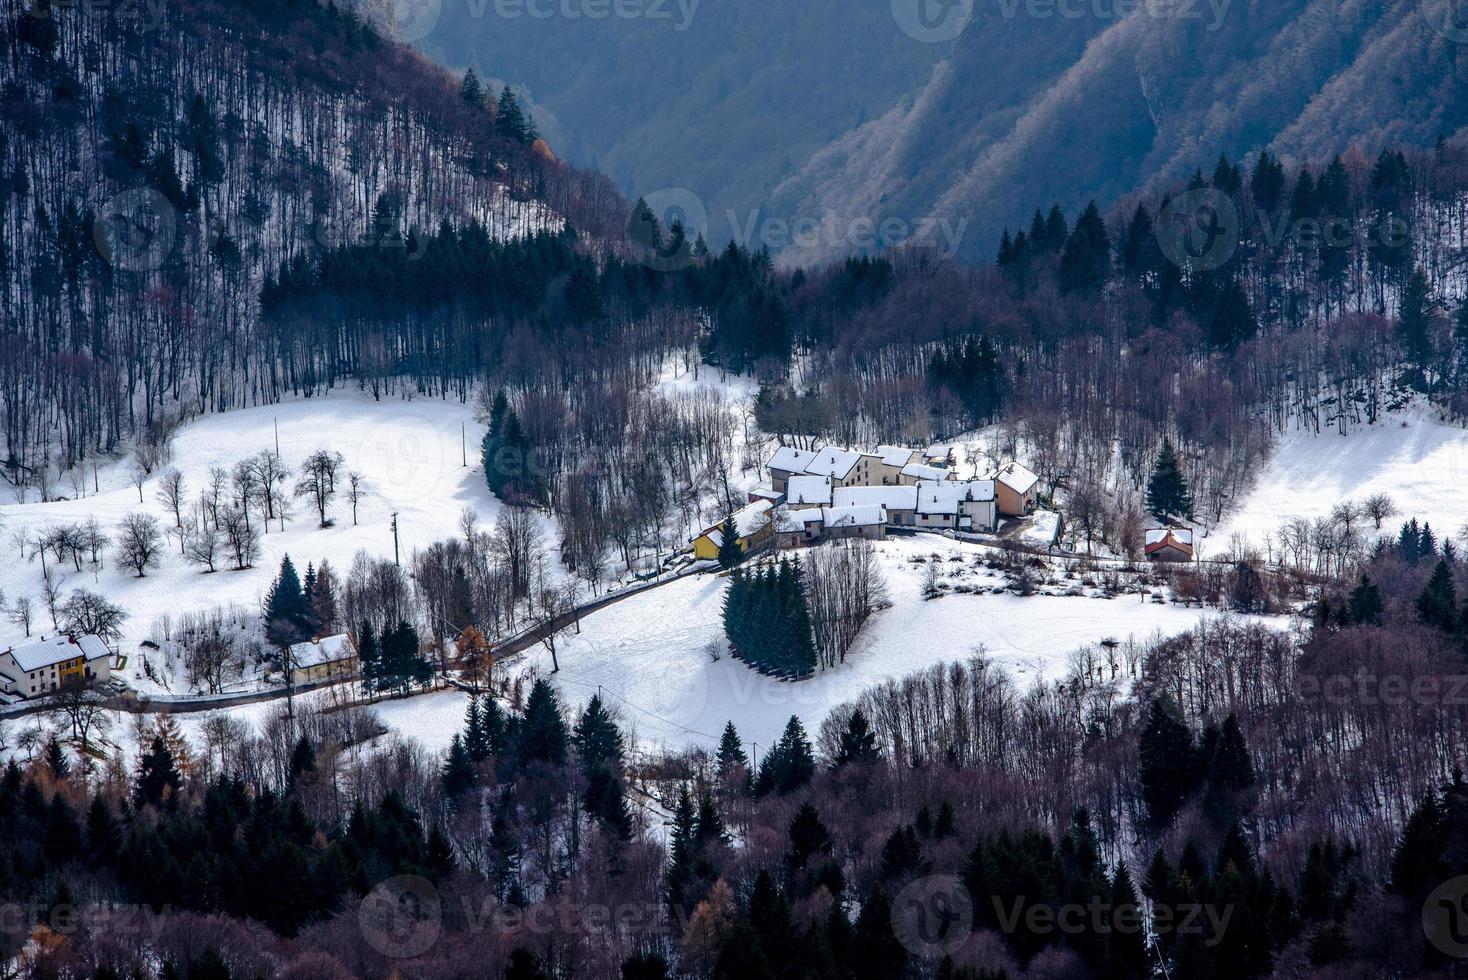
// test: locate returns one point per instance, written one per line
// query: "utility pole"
(277, 435)
(395, 538)
(463, 444)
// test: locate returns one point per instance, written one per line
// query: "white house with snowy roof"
(899, 502)
(37, 667)
(787, 462)
(956, 505)
(808, 491)
(804, 526)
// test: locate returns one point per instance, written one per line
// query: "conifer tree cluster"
(971, 371)
(508, 455)
(767, 620)
(789, 764)
(1175, 767)
(392, 662)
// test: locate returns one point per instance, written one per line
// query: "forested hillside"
(828, 112)
(158, 165)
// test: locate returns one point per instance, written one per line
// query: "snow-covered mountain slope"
(408, 451)
(1417, 460)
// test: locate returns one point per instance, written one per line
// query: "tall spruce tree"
(1167, 490)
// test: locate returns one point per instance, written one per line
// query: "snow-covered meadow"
(420, 459)
(1420, 462)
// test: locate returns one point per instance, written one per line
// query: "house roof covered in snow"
(938, 450)
(326, 650)
(946, 496)
(1017, 478)
(864, 516)
(922, 471)
(1162, 537)
(43, 653)
(893, 498)
(808, 490)
(747, 520)
(896, 455)
(789, 521)
(833, 462)
(791, 460)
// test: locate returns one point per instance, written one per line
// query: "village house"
(797, 528)
(899, 502)
(956, 505)
(894, 458)
(941, 454)
(1016, 490)
(1168, 544)
(911, 488)
(766, 493)
(914, 473)
(326, 658)
(43, 665)
(845, 467)
(811, 525)
(853, 522)
(787, 462)
(808, 491)
(752, 524)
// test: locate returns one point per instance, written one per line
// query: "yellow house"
(753, 523)
(326, 658)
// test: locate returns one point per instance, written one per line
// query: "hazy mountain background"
(814, 109)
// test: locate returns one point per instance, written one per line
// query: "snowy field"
(650, 655)
(409, 451)
(1420, 462)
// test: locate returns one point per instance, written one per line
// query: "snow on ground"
(409, 452)
(1420, 462)
(650, 655)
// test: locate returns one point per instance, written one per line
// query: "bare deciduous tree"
(170, 493)
(139, 542)
(318, 480)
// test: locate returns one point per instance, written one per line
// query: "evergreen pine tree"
(158, 779)
(731, 552)
(1365, 603)
(1167, 490)
(1438, 603)
(858, 742)
(471, 91)
(458, 769)
(542, 735)
(1168, 770)
(287, 613)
